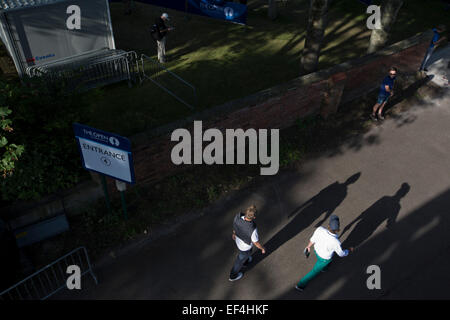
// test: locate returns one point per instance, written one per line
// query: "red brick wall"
(152, 158)
(152, 161)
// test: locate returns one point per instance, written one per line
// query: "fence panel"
(50, 279)
(91, 70)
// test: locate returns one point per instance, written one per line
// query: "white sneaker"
(240, 274)
(298, 288)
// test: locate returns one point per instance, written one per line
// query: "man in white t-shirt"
(245, 234)
(326, 243)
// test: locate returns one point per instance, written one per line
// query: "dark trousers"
(427, 57)
(240, 260)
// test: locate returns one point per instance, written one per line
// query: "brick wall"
(280, 106)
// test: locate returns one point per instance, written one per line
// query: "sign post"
(108, 154)
(105, 191)
(121, 187)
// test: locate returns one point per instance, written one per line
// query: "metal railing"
(105, 66)
(174, 85)
(90, 70)
(50, 279)
(69, 62)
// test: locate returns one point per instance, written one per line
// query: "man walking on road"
(386, 91)
(325, 243)
(159, 33)
(434, 43)
(245, 234)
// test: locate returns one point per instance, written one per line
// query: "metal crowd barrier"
(50, 279)
(168, 81)
(105, 66)
(69, 62)
(90, 70)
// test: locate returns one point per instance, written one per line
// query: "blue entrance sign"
(104, 152)
(217, 9)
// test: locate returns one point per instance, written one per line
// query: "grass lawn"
(225, 61)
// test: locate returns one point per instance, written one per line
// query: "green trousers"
(318, 267)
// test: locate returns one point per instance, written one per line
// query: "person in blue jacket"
(437, 39)
(386, 91)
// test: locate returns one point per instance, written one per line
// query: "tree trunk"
(272, 11)
(317, 22)
(389, 11)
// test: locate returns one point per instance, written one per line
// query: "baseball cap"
(334, 222)
(165, 15)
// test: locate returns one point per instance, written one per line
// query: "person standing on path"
(326, 243)
(386, 91)
(245, 234)
(159, 33)
(433, 45)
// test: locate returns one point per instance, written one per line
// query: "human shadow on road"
(324, 203)
(385, 209)
(413, 255)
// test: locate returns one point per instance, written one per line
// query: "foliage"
(11, 152)
(295, 143)
(43, 114)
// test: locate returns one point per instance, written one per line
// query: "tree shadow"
(323, 204)
(385, 209)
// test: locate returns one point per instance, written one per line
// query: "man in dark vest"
(159, 33)
(245, 235)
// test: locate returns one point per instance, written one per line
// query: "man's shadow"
(385, 209)
(324, 203)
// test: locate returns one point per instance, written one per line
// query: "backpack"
(154, 32)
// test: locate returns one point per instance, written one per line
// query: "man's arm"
(312, 240)
(260, 247)
(167, 29)
(342, 253)
(437, 43)
(310, 244)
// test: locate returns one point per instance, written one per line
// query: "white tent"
(37, 32)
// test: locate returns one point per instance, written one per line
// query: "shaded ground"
(390, 190)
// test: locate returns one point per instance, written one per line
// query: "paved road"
(395, 182)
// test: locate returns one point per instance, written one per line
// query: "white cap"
(166, 16)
